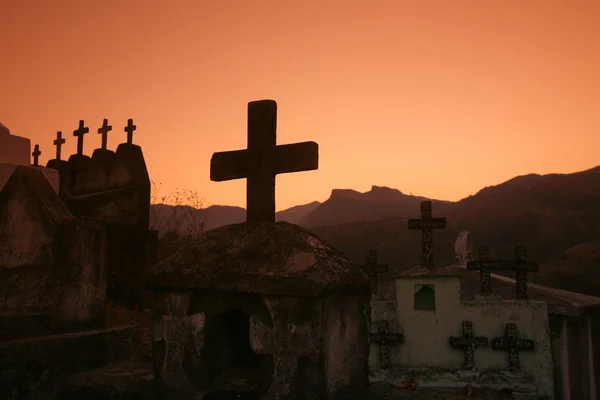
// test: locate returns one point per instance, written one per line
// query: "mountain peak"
(384, 190)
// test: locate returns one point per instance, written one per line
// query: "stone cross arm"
(229, 165)
(502, 265)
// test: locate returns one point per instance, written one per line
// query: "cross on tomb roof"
(103, 130)
(129, 129)
(79, 132)
(426, 224)
(520, 265)
(36, 153)
(262, 160)
(58, 142)
(373, 269)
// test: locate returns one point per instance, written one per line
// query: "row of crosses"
(468, 342)
(78, 133)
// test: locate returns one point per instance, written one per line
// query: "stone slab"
(51, 175)
(33, 363)
(15, 326)
(14, 149)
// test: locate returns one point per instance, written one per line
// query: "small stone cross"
(511, 344)
(79, 132)
(468, 343)
(36, 154)
(427, 224)
(103, 130)
(262, 160)
(519, 265)
(383, 337)
(58, 142)
(129, 129)
(373, 269)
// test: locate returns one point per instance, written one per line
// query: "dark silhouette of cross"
(519, 265)
(36, 153)
(372, 268)
(58, 142)
(383, 337)
(79, 132)
(427, 224)
(129, 129)
(262, 160)
(103, 130)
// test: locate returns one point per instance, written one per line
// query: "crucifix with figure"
(372, 269)
(262, 160)
(103, 130)
(426, 224)
(36, 154)
(79, 132)
(58, 142)
(519, 265)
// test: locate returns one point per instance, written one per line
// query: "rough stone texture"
(29, 364)
(56, 262)
(432, 350)
(6, 171)
(278, 259)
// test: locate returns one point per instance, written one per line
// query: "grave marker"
(103, 130)
(58, 142)
(511, 344)
(129, 129)
(36, 154)
(427, 224)
(383, 337)
(79, 132)
(372, 269)
(262, 160)
(468, 343)
(518, 265)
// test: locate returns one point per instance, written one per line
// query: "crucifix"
(383, 337)
(58, 142)
(511, 344)
(482, 266)
(520, 265)
(373, 269)
(103, 130)
(129, 129)
(468, 343)
(79, 132)
(262, 160)
(36, 153)
(427, 224)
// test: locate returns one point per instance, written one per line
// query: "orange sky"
(438, 98)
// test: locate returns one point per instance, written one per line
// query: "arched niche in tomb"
(424, 298)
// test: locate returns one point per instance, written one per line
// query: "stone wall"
(427, 332)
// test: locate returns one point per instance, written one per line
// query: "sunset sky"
(435, 98)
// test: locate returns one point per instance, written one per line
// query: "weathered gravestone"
(373, 269)
(261, 306)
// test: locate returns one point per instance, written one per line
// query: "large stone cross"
(36, 154)
(129, 129)
(383, 337)
(79, 132)
(520, 265)
(512, 344)
(262, 160)
(103, 130)
(372, 268)
(468, 343)
(427, 224)
(58, 142)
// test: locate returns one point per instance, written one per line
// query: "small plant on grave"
(177, 217)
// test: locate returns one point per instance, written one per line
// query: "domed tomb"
(268, 301)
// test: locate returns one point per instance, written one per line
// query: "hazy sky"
(438, 98)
